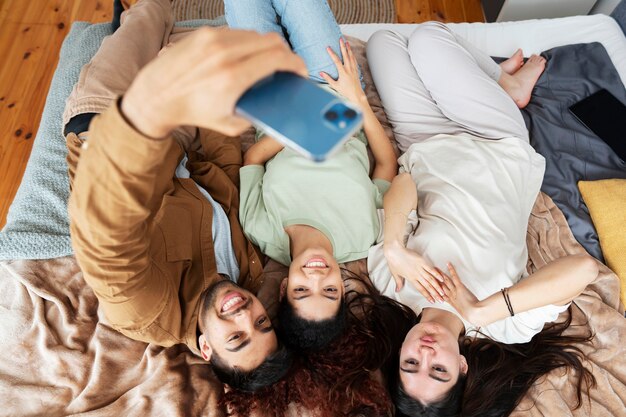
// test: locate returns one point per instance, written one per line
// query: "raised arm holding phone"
(154, 203)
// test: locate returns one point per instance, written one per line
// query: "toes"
(538, 59)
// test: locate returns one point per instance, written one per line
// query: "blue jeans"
(308, 25)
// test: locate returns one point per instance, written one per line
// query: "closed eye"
(234, 337)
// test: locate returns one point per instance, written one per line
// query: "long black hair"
(499, 375)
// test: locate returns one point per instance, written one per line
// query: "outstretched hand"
(460, 297)
(198, 81)
(406, 264)
(348, 84)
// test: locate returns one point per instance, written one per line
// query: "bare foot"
(520, 85)
(511, 65)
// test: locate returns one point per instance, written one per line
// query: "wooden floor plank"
(438, 10)
(31, 34)
(473, 11)
(417, 11)
(413, 11)
(454, 11)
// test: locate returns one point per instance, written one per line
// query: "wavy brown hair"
(338, 380)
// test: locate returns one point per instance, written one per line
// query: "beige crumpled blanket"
(58, 359)
(549, 237)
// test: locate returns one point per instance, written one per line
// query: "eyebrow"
(436, 378)
(308, 295)
(247, 342)
(241, 346)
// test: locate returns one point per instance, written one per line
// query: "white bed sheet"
(533, 36)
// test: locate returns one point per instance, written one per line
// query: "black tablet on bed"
(605, 116)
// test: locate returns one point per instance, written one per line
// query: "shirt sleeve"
(258, 134)
(252, 212)
(522, 327)
(360, 136)
(382, 186)
(118, 188)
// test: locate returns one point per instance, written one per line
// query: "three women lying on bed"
(152, 246)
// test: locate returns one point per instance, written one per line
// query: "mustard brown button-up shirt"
(143, 237)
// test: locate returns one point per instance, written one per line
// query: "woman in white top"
(468, 182)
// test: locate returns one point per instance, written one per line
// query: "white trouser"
(437, 83)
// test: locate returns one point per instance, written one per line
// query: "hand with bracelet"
(557, 283)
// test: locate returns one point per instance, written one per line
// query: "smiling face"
(236, 327)
(314, 287)
(430, 362)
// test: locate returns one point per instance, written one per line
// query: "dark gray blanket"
(573, 152)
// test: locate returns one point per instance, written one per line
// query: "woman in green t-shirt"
(307, 215)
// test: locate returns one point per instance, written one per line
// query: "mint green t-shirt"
(336, 196)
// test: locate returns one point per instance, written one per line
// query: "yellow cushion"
(606, 200)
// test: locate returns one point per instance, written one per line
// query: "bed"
(60, 359)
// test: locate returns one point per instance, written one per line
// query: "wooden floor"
(31, 33)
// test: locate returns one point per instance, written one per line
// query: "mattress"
(533, 36)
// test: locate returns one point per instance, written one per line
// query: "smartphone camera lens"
(349, 114)
(331, 115)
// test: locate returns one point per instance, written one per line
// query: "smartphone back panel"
(300, 114)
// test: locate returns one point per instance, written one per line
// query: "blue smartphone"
(300, 114)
